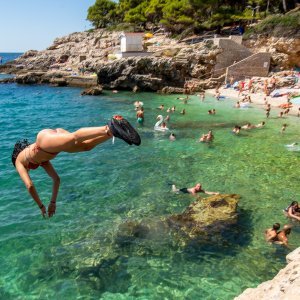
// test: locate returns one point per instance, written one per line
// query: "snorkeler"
(50, 142)
(193, 190)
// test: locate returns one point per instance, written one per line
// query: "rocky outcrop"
(284, 286)
(171, 64)
(285, 52)
(93, 91)
(155, 73)
(206, 216)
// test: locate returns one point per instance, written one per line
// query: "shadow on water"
(228, 242)
(107, 270)
(108, 276)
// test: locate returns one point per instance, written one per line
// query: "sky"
(34, 24)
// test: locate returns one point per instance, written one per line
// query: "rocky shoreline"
(284, 286)
(88, 59)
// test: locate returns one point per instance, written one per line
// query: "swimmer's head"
(198, 187)
(294, 203)
(276, 226)
(287, 229)
(19, 147)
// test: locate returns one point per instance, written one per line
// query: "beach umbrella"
(148, 35)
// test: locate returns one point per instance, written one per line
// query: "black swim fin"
(122, 129)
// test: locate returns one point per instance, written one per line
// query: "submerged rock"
(206, 216)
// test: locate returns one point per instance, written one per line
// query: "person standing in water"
(140, 115)
(283, 128)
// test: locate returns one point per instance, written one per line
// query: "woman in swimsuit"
(293, 211)
(50, 142)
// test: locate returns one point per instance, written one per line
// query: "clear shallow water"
(77, 255)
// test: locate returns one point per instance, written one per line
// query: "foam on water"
(78, 253)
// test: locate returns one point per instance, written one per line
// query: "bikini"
(32, 165)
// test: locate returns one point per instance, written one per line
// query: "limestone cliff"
(284, 286)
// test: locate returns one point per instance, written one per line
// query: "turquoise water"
(6, 57)
(78, 254)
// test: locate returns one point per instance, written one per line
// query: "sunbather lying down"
(50, 142)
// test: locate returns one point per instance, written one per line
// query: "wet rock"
(29, 78)
(58, 81)
(206, 216)
(171, 90)
(93, 91)
(205, 219)
(7, 80)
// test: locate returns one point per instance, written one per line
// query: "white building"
(131, 45)
(131, 41)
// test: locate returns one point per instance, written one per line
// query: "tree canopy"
(177, 15)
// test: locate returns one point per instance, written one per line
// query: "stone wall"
(284, 286)
(231, 52)
(82, 81)
(255, 65)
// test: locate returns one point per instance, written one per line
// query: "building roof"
(132, 33)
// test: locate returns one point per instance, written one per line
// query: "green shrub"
(278, 25)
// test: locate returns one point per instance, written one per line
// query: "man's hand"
(43, 210)
(51, 209)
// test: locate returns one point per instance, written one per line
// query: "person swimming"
(236, 129)
(283, 128)
(193, 190)
(260, 125)
(271, 233)
(282, 236)
(293, 211)
(172, 137)
(248, 126)
(140, 115)
(209, 137)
